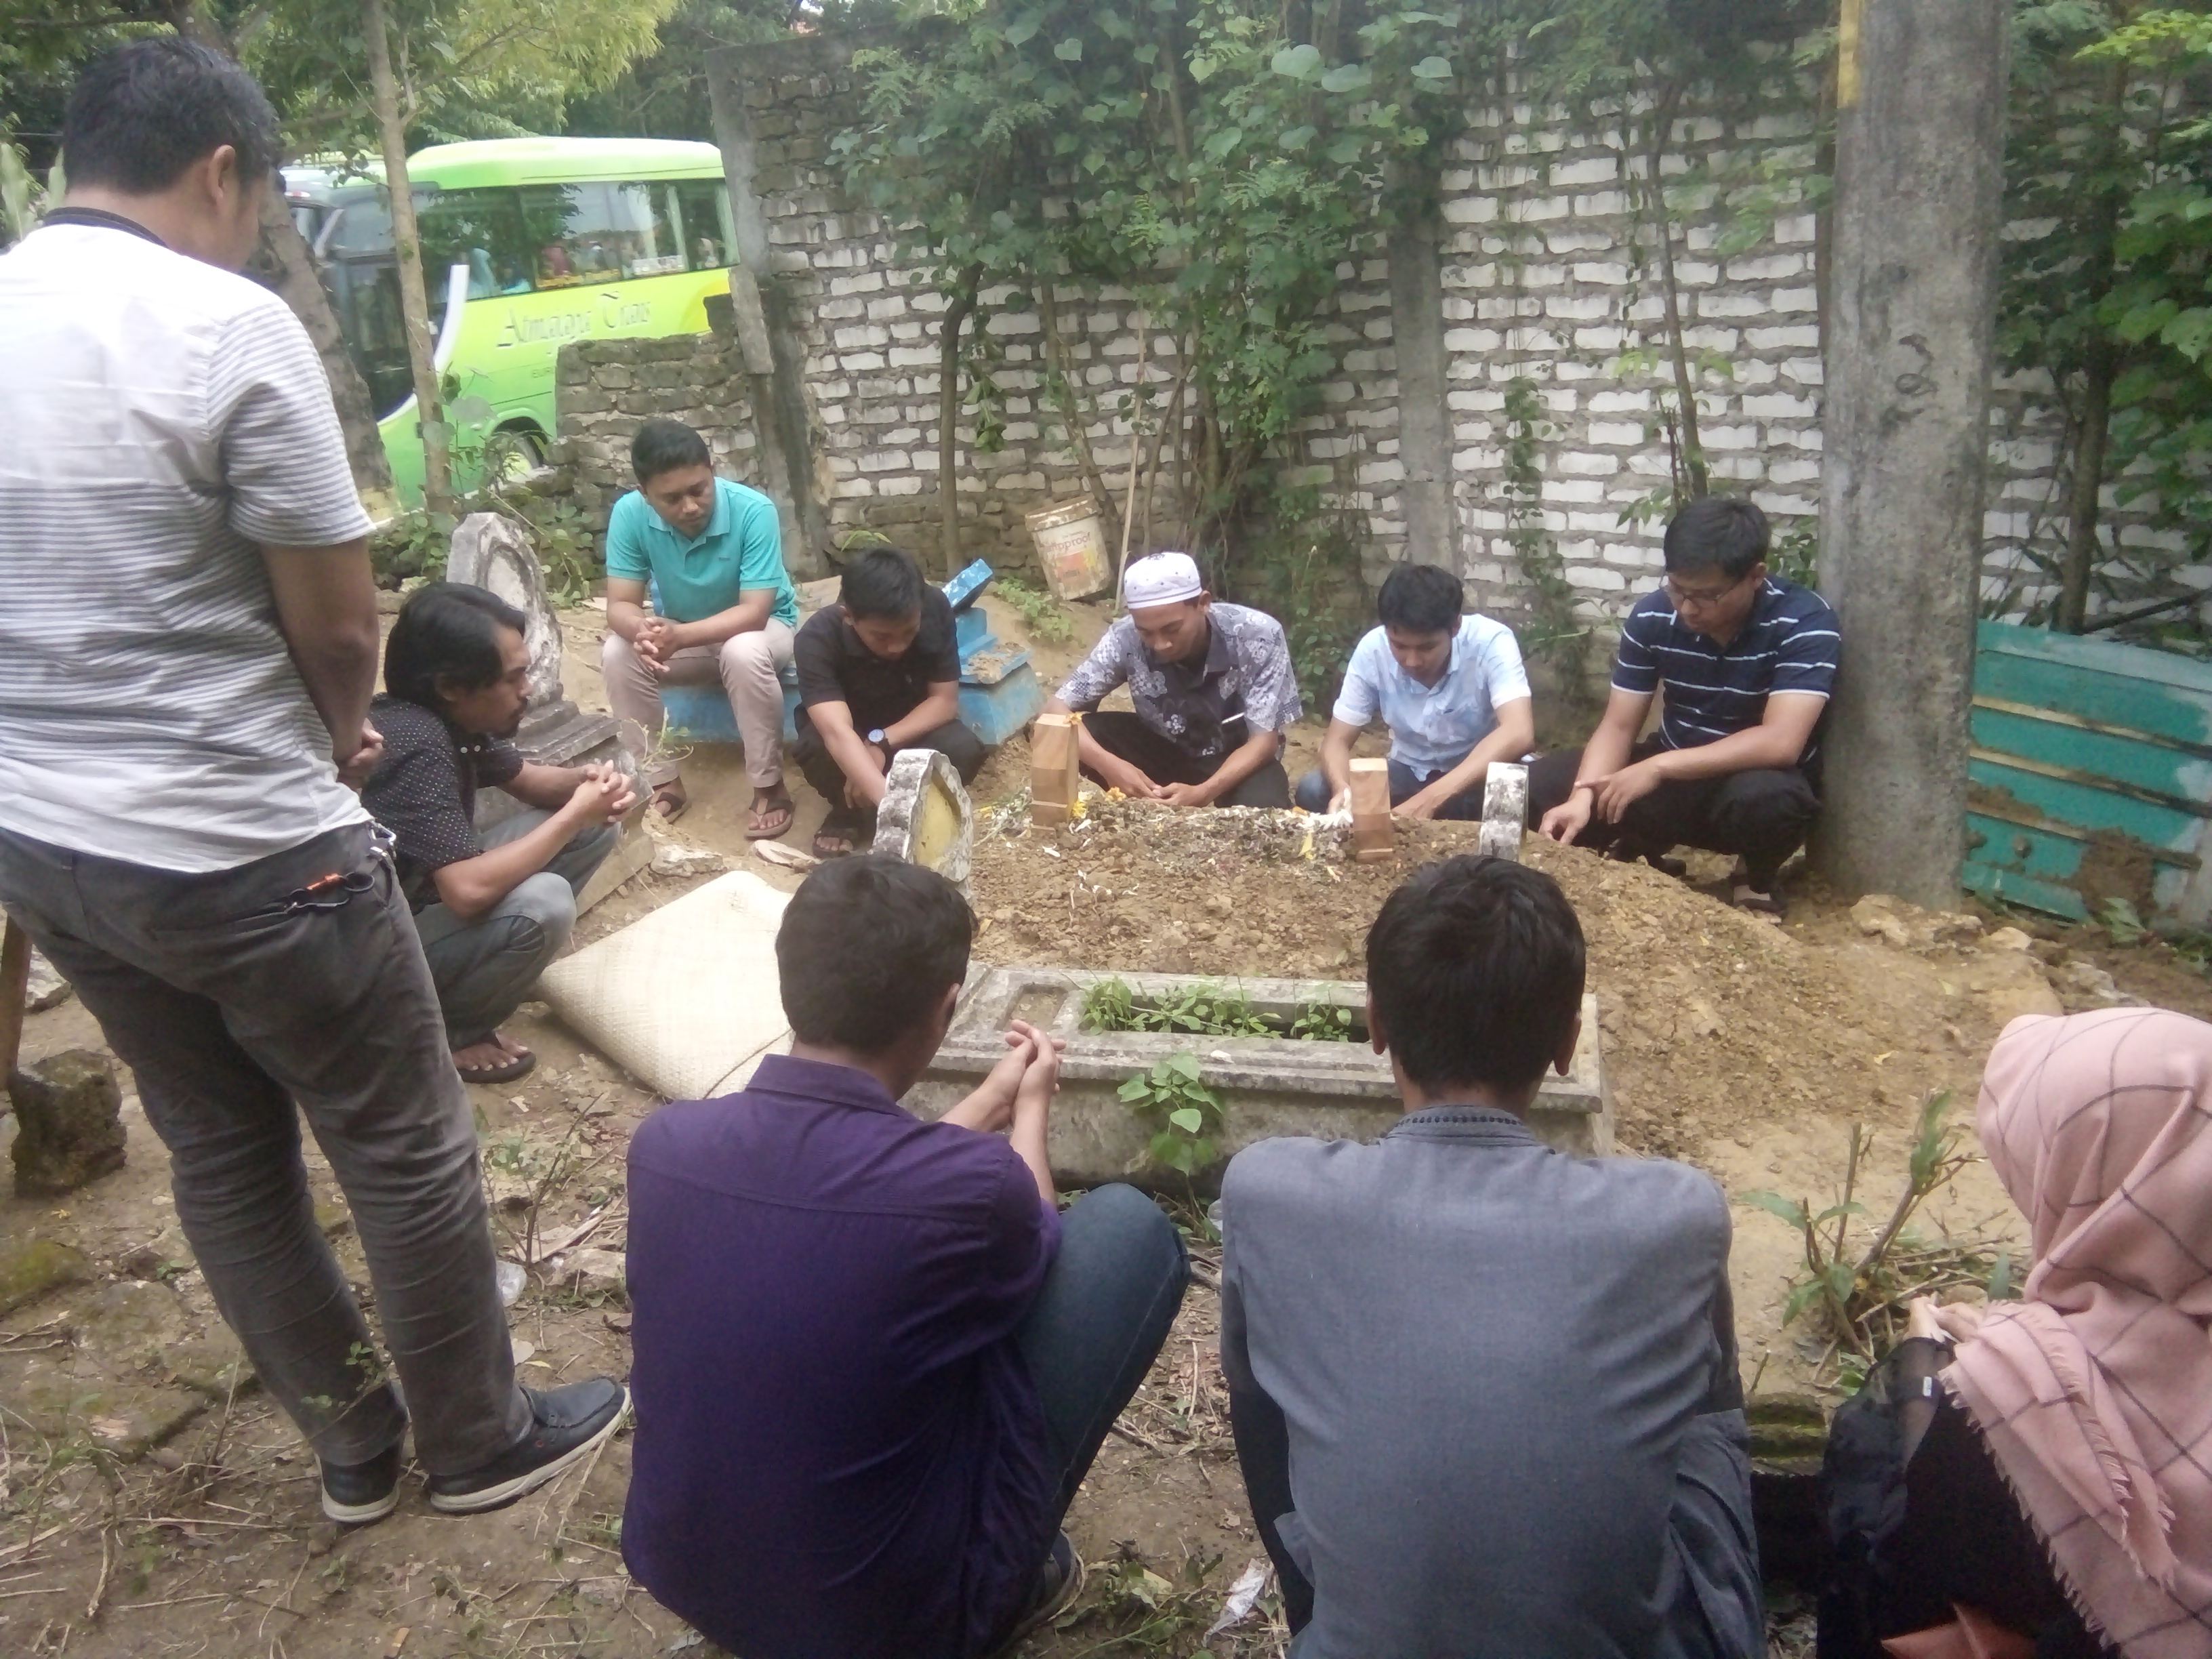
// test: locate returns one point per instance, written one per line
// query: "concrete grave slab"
(682, 998)
(1269, 1086)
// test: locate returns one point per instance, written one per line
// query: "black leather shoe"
(1058, 1582)
(570, 1423)
(354, 1494)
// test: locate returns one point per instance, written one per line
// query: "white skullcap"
(1161, 578)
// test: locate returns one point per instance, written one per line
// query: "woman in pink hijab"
(2058, 1501)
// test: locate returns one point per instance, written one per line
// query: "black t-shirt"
(833, 667)
(424, 790)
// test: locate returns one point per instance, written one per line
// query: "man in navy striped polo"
(1748, 661)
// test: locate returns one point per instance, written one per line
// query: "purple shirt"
(839, 1451)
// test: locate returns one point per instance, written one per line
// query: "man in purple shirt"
(873, 1360)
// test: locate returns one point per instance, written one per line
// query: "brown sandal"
(668, 802)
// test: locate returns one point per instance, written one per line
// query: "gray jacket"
(1505, 1378)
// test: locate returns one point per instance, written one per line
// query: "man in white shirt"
(1451, 689)
(186, 663)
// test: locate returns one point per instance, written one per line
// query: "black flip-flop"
(781, 817)
(520, 1065)
(834, 843)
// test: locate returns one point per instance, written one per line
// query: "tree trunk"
(948, 415)
(2100, 368)
(1919, 178)
(1685, 383)
(2087, 487)
(407, 247)
(283, 263)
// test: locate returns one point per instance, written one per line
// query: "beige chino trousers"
(748, 665)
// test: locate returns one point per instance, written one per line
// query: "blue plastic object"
(999, 691)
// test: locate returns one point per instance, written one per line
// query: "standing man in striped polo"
(186, 655)
(1748, 661)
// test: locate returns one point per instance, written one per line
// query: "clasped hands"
(1024, 1082)
(657, 640)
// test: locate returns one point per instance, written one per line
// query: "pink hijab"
(2095, 1392)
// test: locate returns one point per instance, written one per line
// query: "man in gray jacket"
(1484, 1395)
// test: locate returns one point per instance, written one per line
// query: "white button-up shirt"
(1434, 727)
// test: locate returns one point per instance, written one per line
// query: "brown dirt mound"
(1715, 1023)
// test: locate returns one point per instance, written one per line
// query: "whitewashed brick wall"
(1547, 276)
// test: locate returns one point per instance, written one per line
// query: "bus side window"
(705, 206)
(564, 227)
(646, 230)
(481, 229)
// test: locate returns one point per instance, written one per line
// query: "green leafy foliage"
(1046, 618)
(2109, 193)
(1856, 1295)
(1203, 1009)
(1324, 1022)
(1184, 1115)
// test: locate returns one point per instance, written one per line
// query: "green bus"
(527, 244)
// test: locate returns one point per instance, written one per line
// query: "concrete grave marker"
(1505, 809)
(926, 817)
(1055, 768)
(493, 552)
(1371, 832)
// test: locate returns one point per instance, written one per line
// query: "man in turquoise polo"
(724, 610)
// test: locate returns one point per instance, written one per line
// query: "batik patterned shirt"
(1243, 684)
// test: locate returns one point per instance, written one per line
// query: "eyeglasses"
(1700, 599)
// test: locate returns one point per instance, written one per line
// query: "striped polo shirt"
(165, 421)
(1786, 646)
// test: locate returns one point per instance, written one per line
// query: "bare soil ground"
(153, 1504)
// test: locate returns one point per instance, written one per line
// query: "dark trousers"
(1100, 1320)
(1762, 817)
(1158, 758)
(230, 1009)
(485, 965)
(820, 768)
(1312, 792)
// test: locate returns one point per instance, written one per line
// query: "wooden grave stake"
(1055, 768)
(1371, 831)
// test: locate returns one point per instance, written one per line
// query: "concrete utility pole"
(1920, 96)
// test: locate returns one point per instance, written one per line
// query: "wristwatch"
(878, 739)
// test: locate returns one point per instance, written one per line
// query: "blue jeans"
(1099, 1322)
(1405, 784)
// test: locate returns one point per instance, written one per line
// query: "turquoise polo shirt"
(739, 552)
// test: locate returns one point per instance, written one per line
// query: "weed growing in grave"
(1859, 1297)
(1155, 1615)
(1184, 1115)
(1324, 1022)
(1049, 624)
(1201, 1010)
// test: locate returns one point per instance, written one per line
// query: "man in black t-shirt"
(878, 672)
(493, 908)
